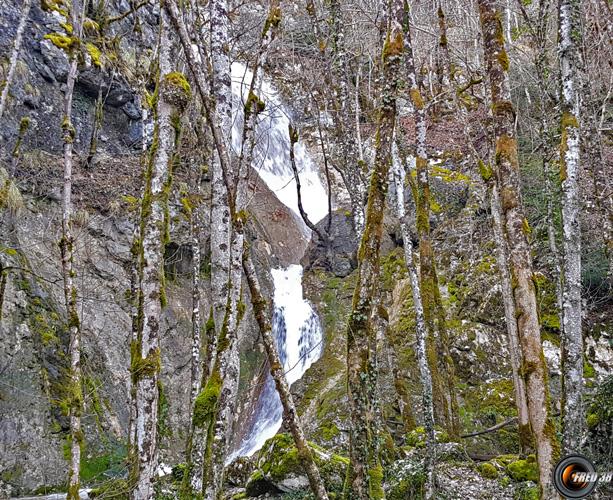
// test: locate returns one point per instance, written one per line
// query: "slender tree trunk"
(364, 478)
(75, 389)
(290, 416)
(25, 11)
(443, 60)
(441, 363)
(526, 441)
(347, 158)
(421, 332)
(572, 338)
(516, 227)
(220, 212)
(136, 297)
(173, 95)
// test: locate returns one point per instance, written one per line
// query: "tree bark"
(290, 416)
(74, 392)
(569, 41)
(421, 332)
(364, 478)
(347, 159)
(441, 364)
(25, 11)
(173, 94)
(502, 256)
(524, 295)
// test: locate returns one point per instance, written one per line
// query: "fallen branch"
(491, 429)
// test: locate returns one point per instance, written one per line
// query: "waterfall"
(298, 334)
(296, 326)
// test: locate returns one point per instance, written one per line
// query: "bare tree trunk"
(421, 332)
(364, 478)
(569, 41)
(525, 434)
(220, 212)
(136, 296)
(75, 389)
(441, 364)
(347, 159)
(443, 60)
(25, 11)
(524, 293)
(173, 95)
(290, 416)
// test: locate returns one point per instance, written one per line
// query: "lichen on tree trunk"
(534, 369)
(364, 478)
(569, 43)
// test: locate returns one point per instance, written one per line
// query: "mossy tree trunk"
(421, 331)
(506, 171)
(74, 391)
(569, 43)
(365, 474)
(526, 440)
(25, 12)
(441, 364)
(347, 160)
(290, 416)
(171, 97)
(443, 61)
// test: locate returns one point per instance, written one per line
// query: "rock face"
(340, 258)
(279, 469)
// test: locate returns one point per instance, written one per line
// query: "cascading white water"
(271, 157)
(297, 332)
(296, 327)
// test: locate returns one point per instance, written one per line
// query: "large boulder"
(279, 468)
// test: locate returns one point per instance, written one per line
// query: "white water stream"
(296, 327)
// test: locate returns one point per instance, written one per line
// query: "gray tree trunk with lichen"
(516, 228)
(173, 94)
(441, 364)
(74, 390)
(365, 474)
(290, 416)
(421, 331)
(25, 11)
(502, 256)
(221, 91)
(569, 43)
(347, 159)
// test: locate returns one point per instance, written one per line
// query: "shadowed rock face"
(340, 258)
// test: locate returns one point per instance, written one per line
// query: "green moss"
(588, 369)
(95, 54)
(375, 476)
(593, 419)
(488, 470)
(393, 46)
(144, 367)
(526, 492)
(503, 59)
(485, 170)
(272, 21)
(62, 41)
(416, 98)
(206, 402)
(117, 489)
(280, 458)
(524, 470)
(254, 105)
